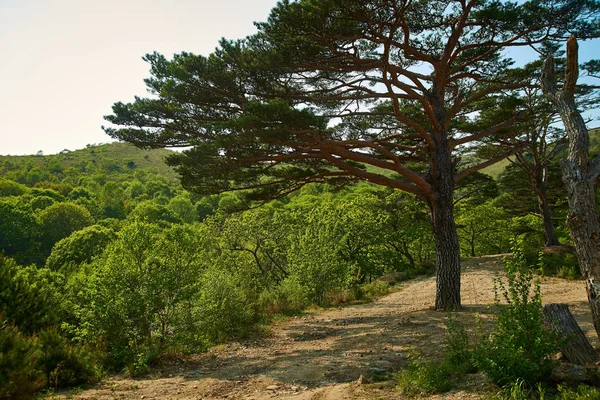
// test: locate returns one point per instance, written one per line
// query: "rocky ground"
(322, 355)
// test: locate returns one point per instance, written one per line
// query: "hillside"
(117, 160)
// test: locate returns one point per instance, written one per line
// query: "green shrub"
(519, 346)
(288, 298)
(374, 289)
(561, 262)
(225, 309)
(78, 248)
(436, 376)
(459, 346)
(19, 377)
(428, 376)
(29, 296)
(63, 364)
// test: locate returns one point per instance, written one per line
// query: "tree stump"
(578, 350)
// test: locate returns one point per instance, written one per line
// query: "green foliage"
(435, 376)
(183, 209)
(371, 291)
(152, 212)
(79, 248)
(64, 364)
(482, 229)
(315, 254)
(520, 346)
(141, 292)
(559, 261)
(19, 377)
(41, 202)
(224, 308)
(428, 376)
(29, 298)
(519, 390)
(289, 298)
(11, 188)
(60, 220)
(582, 392)
(18, 229)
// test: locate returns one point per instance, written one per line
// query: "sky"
(63, 63)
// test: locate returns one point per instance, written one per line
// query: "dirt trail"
(322, 355)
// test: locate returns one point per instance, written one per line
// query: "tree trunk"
(447, 258)
(584, 226)
(579, 176)
(578, 350)
(550, 238)
(447, 248)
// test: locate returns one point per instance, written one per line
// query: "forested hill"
(113, 161)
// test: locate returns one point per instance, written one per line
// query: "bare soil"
(322, 355)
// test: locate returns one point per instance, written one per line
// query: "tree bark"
(447, 248)
(550, 238)
(579, 176)
(447, 260)
(578, 350)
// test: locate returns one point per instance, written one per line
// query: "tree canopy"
(391, 92)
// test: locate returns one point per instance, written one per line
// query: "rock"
(362, 380)
(273, 387)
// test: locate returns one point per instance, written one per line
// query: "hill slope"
(116, 160)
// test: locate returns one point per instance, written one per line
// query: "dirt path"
(321, 356)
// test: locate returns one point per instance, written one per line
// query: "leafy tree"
(483, 229)
(340, 90)
(260, 238)
(41, 202)
(150, 211)
(315, 258)
(142, 293)
(111, 199)
(59, 221)
(11, 188)
(181, 206)
(18, 229)
(29, 297)
(78, 248)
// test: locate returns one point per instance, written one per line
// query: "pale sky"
(63, 63)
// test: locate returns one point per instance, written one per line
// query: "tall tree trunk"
(579, 175)
(550, 238)
(447, 248)
(447, 257)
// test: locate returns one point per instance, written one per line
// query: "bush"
(560, 261)
(63, 364)
(78, 248)
(373, 290)
(435, 376)
(288, 298)
(29, 296)
(19, 377)
(519, 347)
(142, 294)
(428, 376)
(226, 311)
